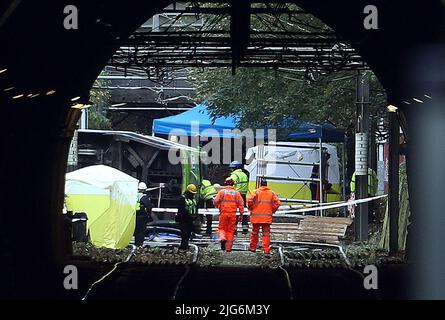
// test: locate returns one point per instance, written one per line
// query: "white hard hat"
(217, 186)
(142, 186)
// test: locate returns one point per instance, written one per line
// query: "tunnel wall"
(40, 56)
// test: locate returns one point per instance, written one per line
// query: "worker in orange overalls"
(228, 200)
(262, 204)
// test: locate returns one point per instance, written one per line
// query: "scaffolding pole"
(393, 183)
(320, 171)
(343, 161)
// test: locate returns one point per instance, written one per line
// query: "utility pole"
(361, 156)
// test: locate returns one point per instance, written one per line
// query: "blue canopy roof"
(313, 132)
(195, 121)
(199, 121)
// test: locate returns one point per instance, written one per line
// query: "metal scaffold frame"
(223, 33)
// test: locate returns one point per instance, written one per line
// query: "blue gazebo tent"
(199, 121)
(195, 121)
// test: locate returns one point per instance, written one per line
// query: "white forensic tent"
(108, 197)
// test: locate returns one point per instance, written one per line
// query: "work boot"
(223, 245)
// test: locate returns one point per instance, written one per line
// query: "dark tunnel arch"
(407, 53)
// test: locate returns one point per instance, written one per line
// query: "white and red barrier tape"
(284, 212)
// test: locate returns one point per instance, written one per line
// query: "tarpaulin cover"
(313, 132)
(289, 151)
(108, 197)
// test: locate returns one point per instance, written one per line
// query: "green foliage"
(264, 96)
(101, 100)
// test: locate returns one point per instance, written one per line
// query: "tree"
(101, 101)
(262, 97)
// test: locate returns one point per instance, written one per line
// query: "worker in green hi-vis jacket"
(373, 182)
(241, 181)
(188, 216)
(207, 193)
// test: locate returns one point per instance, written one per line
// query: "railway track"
(243, 278)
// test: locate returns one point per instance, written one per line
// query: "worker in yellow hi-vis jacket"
(373, 182)
(241, 182)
